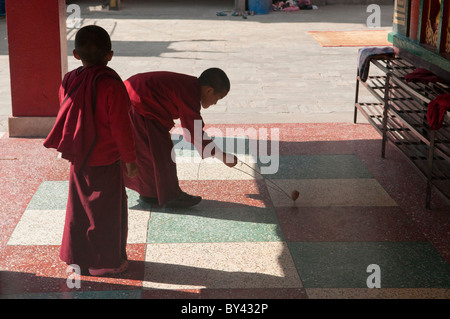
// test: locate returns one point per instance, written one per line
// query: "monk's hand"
(131, 169)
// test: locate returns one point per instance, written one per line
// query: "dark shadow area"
(21, 285)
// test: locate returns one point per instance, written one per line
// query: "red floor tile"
(228, 193)
(362, 224)
(38, 269)
(23, 163)
(59, 171)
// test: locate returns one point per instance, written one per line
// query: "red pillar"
(414, 19)
(37, 43)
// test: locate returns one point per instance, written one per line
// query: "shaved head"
(215, 78)
(92, 44)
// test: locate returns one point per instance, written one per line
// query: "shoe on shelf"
(107, 271)
(183, 200)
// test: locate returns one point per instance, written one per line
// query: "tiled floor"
(246, 239)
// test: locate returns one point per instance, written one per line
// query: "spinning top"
(294, 195)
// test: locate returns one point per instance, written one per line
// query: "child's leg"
(164, 166)
(96, 225)
(157, 172)
(144, 182)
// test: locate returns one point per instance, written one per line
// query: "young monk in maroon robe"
(93, 131)
(157, 98)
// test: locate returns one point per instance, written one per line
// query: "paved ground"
(278, 72)
(246, 239)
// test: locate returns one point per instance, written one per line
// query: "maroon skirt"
(157, 172)
(96, 225)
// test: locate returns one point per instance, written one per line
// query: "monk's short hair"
(92, 44)
(215, 78)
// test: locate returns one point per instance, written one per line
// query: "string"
(277, 187)
(266, 179)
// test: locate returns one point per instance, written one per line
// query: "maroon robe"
(437, 109)
(157, 98)
(93, 131)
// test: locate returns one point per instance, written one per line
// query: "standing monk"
(157, 98)
(93, 131)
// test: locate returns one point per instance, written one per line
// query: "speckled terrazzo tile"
(107, 294)
(236, 293)
(39, 227)
(31, 269)
(409, 188)
(220, 265)
(323, 131)
(378, 293)
(314, 147)
(330, 192)
(45, 227)
(229, 193)
(249, 224)
(328, 224)
(213, 169)
(344, 264)
(129, 280)
(137, 226)
(256, 293)
(38, 269)
(23, 164)
(50, 195)
(59, 171)
(134, 202)
(319, 166)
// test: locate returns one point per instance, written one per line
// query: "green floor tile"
(318, 167)
(329, 192)
(344, 264)
(50, 195)
(134, 202)
(252, 224)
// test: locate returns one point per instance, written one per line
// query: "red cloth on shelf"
(421, 75)
(437, 110)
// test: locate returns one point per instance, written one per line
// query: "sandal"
(184, 200)
(106, 271)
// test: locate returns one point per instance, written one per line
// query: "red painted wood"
(37, 55)
(414, 19)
